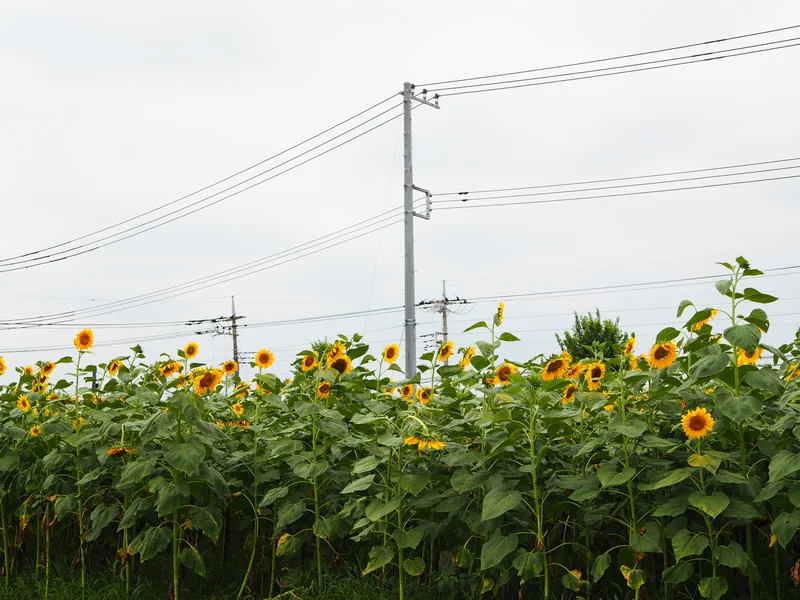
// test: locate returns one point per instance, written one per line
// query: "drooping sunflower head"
(569, 394)
(662, 355)
(504, 372)
(309, 362)
(35, 431)
(48, 368)
(633, 363)
(628, 348)
(446, 351)
(341, 363)
(191, 349)
(113, 367)
(23, 403)
(230, 367)
(391, 353)
(28, 370)
(84, 340)
(467, 358)
(498, 317)
(323, 389)
(407, 392)
(424, 394)
(697, 423)
(264, 359)
(170, 368)
(238, 408)
(574, 371)
(745, 358)
(700, 324)
(555, 368)
(594, 374)
(207, 380)
(338, 349)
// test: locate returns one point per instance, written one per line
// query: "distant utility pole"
(233, 331)
(443, 307)
(408, 191)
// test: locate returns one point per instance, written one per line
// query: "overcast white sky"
(110, 108)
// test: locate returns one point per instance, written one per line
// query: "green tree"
(591, 335)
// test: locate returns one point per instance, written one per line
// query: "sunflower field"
(669, 474)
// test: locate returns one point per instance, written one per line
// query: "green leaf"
(678, 573)
(368, 463)
(686, 544)
(359, 485)
(205, 520)
(710, 462)
(463, 558)
(379, 556)
(608, 476)
(758, 318)
(101, 516)
(136, 471)
(185, 456)
(477, 325)
(723, 286)
(64, 505)
(632, 428)
(272, 495)
(508, 337)
(671, 478)
(648, 538)
(713, 587)
(673, 507)
(600, 566)
(723, 476)
(310, 470)
(409, 539)
(731, 555)
(151, 541)
(712, 505)
(683, 306)
(464, 480)
(697, 317)
(377, 509)
(753, 295)
(449, 371)
(529, 565)
(9, 461)
(289, 513)
(794, 494)
(497, 548)
(192, 559)
(414, 566)
(708, 366)
(766, 380)
(739, 509)
(479, 362)
(769, 490)
(570, 581)
(498, 502)
(414, 483)
(782, 464)
(783, 527)
(739, 409)
(743, 336)
(667, 335)
(634, 577)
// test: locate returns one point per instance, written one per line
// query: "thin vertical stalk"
(400, 567)
(777, 561)
(175, 555)
(6, 566)
(274, 557)
(317, 541)
(47, 551)
(255, 510)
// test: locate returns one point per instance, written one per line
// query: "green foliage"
(592, 336)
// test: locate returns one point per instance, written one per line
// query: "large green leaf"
(673, 507)
(784, 463)
(205, 519)
(359, 485)
(379, 556)
(498, 502)
(414, 483)
(731, 555)
(377, 509)
(609, 476)
(409, 539)
(739, 509)
(497, 548)
(529, 565)
(368, 463)
(783, 527)
(600, 566)
(310, 470)
(766, 380)
(414, 566)
(685, 543)
(753, 295)
(9, 461)
(708, 366)
(678, 573)
(101, 516)
(632, 428)
(744, 336)
(192, 559)
(464, 480)
(713, 587)
(672, 478)
(288, 513)
(151, 541)
(739, 409)
(648, 538)
(712, 505)
(667, 335)
(185, 456)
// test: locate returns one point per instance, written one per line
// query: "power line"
(72, 252)
(105, 343)
(620, 57)
(599, 196)
(623, 72)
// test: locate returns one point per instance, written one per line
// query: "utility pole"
(408, 223)
(232, 330)
(443, 307)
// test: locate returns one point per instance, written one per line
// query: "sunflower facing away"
(446, 351)
(662, 355)
(323, 389)
(745, 358)
(341, 363)
(230, 367)
(35, 431)
(264, 359)
(207, 380)
(424, 395)
(697, 423)
(169, 369)
(48, 368)
(555, 368)
(594, 374)
(569, 394)
(390, 354)
(503, 373)
(424, 441)
(498, 317)
(191, 349)
(309, 362)
(407, 392)
(113, 367)
(700, 324)
(466, 360)
(84, 340)
(628, 349)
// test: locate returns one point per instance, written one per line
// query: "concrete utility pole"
(443, 307)
(232, 330)
(408, 222)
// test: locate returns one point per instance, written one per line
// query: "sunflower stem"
(47, 550)
(175, 555)
(255, 509)
(6, 565)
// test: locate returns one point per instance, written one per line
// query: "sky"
(110, 109)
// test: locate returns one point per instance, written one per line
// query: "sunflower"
(169, 369)
(791, 373)
(230, 367)
(608, 407)
(745, 358)
(424, 395)
(191, 349)
(504, 371)
(341, 363)
(574, 371)
(207, 380)
(113, 367)
(240, 391)
(697, 423)
(633, 363)
(466, 360)
(424, 441)
(594, 374)
(23, 404)
(498, 317)
(555, 368)
(238, 408)
(35, 431)
(569, 394)
(407, 392)
(84, 340)
(663, 355)
(446, 351)
(264, 359)
(700, 324)
(3, 366)
(628, 349)
(492, 380)
(323, 389)
(390, 354)
(115, 450)
(338, 349)
(48, 368)
(309, 362)
(28, 370)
